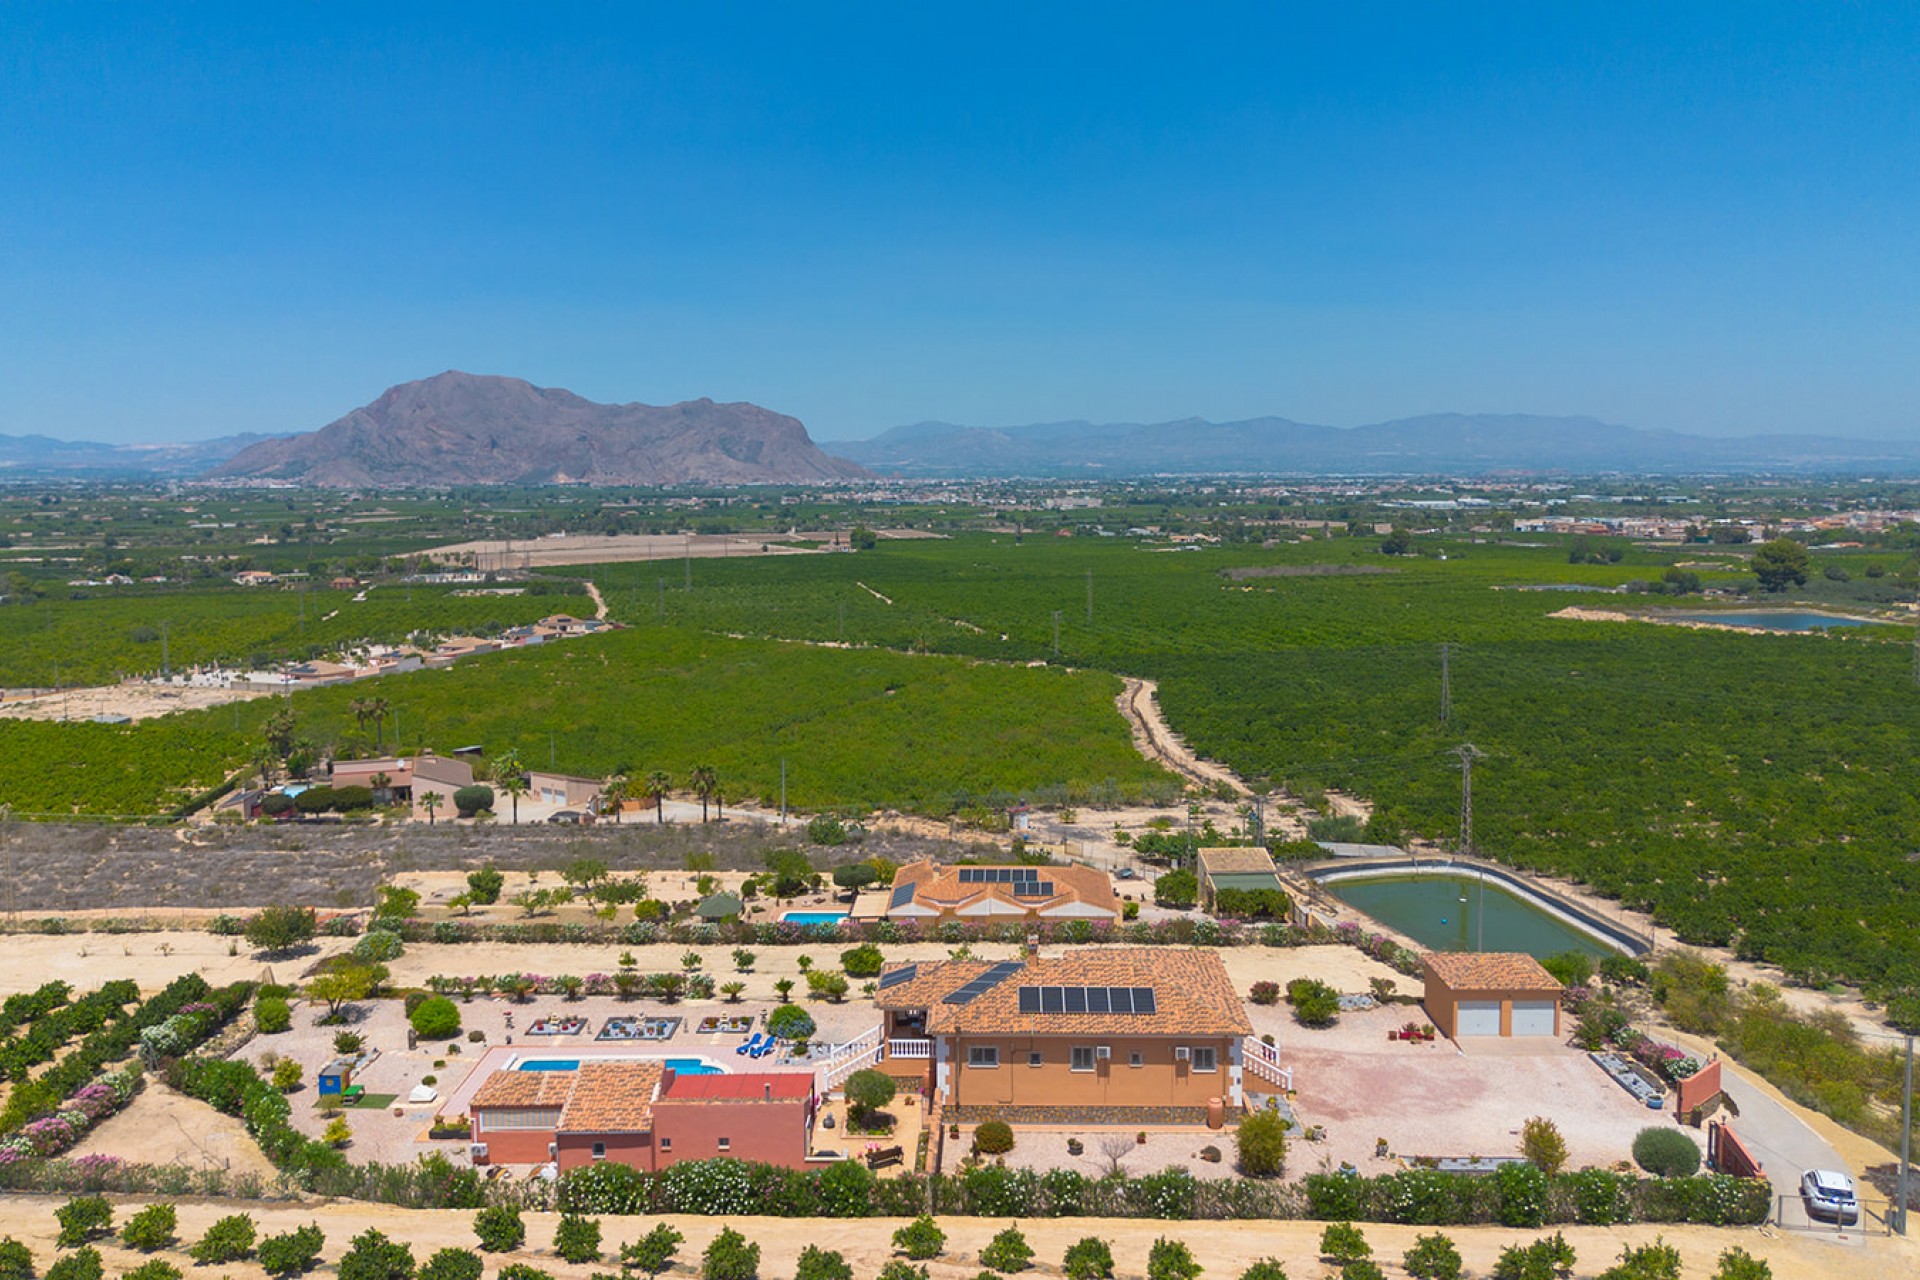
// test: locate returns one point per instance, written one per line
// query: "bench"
(884, 1157)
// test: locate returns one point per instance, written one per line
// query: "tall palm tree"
(362, 709)
(512, 777)
(703, 781)
(614, 792)
(430, 802)
(378, 709)
(658, 784)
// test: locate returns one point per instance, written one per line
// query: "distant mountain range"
(462, 428)
(1443, 443)
(22, 456)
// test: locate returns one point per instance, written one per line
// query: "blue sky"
(255, 217)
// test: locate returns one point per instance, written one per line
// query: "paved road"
(1785, 1146)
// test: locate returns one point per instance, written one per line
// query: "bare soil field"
(1223, 1248)
(135, 701)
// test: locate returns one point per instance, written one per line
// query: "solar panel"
(1098, 1000)
(1053, 1000)
(985, 982)
(1143, 1001)
(1029, 999)
(1033, 889)
(901, 897)
(1076, 999)
(1121, 998)
(894, 977)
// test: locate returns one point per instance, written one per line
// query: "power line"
(1468, 753)
(1446, 683)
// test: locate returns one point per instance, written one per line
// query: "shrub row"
(53, 1026)
(1520, 1195)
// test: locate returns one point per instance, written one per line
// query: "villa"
(924, 891)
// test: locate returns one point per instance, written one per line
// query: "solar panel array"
(894, 977)
(901, 897)
(998, 875)
(1128, 1000)
(985, 982)
(1033, 888)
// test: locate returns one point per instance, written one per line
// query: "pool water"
(813, 917)
(1444, 912)
(1772, 621)
(680, 1066)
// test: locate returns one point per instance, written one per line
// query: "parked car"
(568, 817)
(1829, 1195)
(1128, 873)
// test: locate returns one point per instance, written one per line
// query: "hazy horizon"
(230, 219)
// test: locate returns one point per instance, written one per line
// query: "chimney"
(766, 1090)
(1033, 948)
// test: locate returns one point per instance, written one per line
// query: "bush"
(898, 1270)
(1265, 993)
(1171, 1260)
(468, 801)
(1656, 1261)
(292, 1253)
(1522, 1194)
(577, 1239)
(730, 1257)
(993, 1138)
(286, 1075)
(522, 1271)
(151, 1228)
(1261, 1140)
(437, 1018)
(863, 961)
(1572, 968)
(16, 1260)
(1542, 1145)
(228, 1240)
(379, 945)
(1315, 1004)
(1623, 971)
(1737, 1264)
(82, 1264)
(790, 1022)
(1666, 1153)
(272, 1015)
(374, 1257)
(821, 1264)
(1342, 1243)
(920, 1239)
(1542, 1260)
(1265, 1269)
(1089, 1259)
(499, 1228)
(1432, 1258)
(452, 1264)
(1008, 1252)
(651, 1253)
(1176, 890)
(153, 1269)
(83, 1218)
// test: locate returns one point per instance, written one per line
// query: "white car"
(1829, 1195)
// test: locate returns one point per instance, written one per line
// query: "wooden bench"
(884, 1157)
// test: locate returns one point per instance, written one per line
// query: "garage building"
(1491, 993)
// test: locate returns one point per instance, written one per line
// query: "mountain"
(1452, 443)
(461, 428)
(22, 456)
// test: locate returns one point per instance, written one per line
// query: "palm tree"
(378, 709)
(703, 781)
(614, 791)
(512, 777)
(658, 784)
(430, 802)
(362, 709)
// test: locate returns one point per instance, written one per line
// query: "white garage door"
(1479, 1017)
(1533, 1017)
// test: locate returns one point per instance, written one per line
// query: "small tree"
(228, 1240)
(437, 1018)
(993, 1138)
(869, 1090)
(730, 1257)
(1342, 1243)
(743, 959)
(577, 1239)
(1432, 1258)
(338, 1132)
(16, 1260)
(1008, 1252)
(340, 987)
(863, 961)
(374, 1257)
(486, 883)
(920, 1239)
(499, 1228)
(292, 1253)
(272, 1015)
(1656, 1261)
(1261, 1141)
(81, 1219)
(1171, 1260)
(151, 1228)
(1544, 1259)
(453, 1264)
(831, 985)
(653, 1252)
(853, 877)
(81, 1264)
(1737, 1264)
(1089, 1258)
(1265, 1269)
(733, 991)
(277, 930)
(1542, 1145)
(1780, 564)
(286, 1075)
(898, 1269)
(821, 1264)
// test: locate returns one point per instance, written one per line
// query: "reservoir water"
(1443, 912)
(1772, 621)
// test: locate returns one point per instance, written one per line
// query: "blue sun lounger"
(751, 1047)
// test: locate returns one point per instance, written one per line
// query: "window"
(726, 1144)
(1136, 1059)
(1083, 1057)
(599, 1151)
(983, 1055)
(1034, 1058)
(1206, 1058)
(666, 1144)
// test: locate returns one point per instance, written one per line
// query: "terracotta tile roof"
(940, 889)
(1192, 994)
(524, 1089)
(612, 1097)
(1235, 861)
(754, 1086)
(1489, 971)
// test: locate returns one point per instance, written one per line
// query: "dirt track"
(1157, 742)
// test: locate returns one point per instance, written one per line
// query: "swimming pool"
(813, 917)
(680, 1066)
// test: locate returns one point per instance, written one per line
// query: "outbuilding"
(1491, 993)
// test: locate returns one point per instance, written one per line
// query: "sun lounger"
(767, 1046)
(750, 1048)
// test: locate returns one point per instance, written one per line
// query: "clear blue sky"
(1703, 217)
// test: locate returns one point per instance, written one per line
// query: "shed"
(1249, 869)
(337, 1076)
(719, 906)
(1491, 993)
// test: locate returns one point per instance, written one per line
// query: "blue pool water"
(813, 917)
(1773, 621)
(681, 1066)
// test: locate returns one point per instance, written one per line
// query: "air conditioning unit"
(1182, 1053)
(1104, 1051)
(477, 1152)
